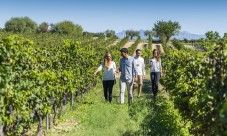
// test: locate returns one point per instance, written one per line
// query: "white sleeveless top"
(108, 72)
(156, 65)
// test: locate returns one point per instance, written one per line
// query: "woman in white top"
(155, 71)
(108, 79)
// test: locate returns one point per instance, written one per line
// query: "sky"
(194, 16)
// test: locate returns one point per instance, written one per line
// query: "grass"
(93, 116)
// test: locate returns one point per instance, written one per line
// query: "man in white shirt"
(141, 72)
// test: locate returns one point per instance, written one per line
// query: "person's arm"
(144, 69)
(99, 69)
(120, 67)
(134, 69)
(150, 63)
(161, 68)
(114, 69)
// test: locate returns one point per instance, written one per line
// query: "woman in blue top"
(108, 78)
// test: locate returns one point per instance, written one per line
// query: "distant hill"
(187, 35)
(182, 35)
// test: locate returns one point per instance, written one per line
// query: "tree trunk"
(55, 114)
(72, 100)
(40, 127)
(167, 39)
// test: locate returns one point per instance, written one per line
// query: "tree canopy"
(20, 24)
(149, 34)
(110, 33)
(213, 36)
(164, 30)
(43, 27)
(131, 33)
(67, 27)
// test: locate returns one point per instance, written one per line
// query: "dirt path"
(128, 44)
(140, 46)
(189, 46)
(158, 47)
(115, 42)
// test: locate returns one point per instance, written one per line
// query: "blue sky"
(195, 16)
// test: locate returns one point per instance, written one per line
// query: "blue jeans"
(155, 76)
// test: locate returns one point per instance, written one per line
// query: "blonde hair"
(106, 62)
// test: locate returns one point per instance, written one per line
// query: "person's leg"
(105, 87)
(122, 91)
(129, 88)
(152, 76)
(140, 83)
(157, 77)
(110, 84)
(139, 89)
(133, 88)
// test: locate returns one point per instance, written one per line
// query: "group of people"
(132, 72)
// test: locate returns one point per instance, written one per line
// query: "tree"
(20, 24)
(131, 33)
(225, 36)
(213, 36)
(164, 30)
(110, 33)
(149, 34)
(43, 27)
(185, 40)
(87, 33)
(52, 28)
(67, 27)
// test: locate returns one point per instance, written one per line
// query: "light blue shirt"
(127, 68)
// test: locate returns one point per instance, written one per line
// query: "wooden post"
(72, 100)
(47, 121)
(1, 130)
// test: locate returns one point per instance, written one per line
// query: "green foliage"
(147, 54)
(134, 46)
(131, 33)
(225, 36)
(178, 44)
(212, 36)
(163, 119)
(186, 40)
(32, 75)
(143, 117)
(20, 25)
(205, 44)
(164, 30)
(49, 66)
(67, 27)
(197, 84)
(43, 27)
(110, 33)
(149, 34)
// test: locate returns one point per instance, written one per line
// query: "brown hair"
(107, 63)
(158, 55)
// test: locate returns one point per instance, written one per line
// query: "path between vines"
(91, 115)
